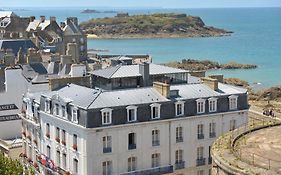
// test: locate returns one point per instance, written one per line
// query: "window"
(58, 159)
(75, 166)
(200, 131)
(57, 112)
(58, 134)
(200, 152)
(75, 146)
(179, 137)
(107, 168)
(132, 164)
(200, 106)
(155, 137)
(232, 125)
(200, 172)
(179, 155)
(212, 104)
(75, 115)
(63, 137)
(179, 108)
(155, 111)
(63, 111)
(47, 105)
(212, 130)
(48, 151)
(132, 141)
(106, 144)
(48, 130)
(106, 116)
(64, 161)
(155, 160)
(132, 113)
(233, 102)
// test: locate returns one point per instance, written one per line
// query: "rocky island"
(96, 11)
(195, 65)
(165, 25)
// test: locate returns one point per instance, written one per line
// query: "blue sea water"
(256, 39)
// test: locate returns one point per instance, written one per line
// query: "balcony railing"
(155, 143)
(179, 139)
(210, 160)
(212, 135)
(132, 146)
(201, 162)
(155, 171)
(107, 150)
(200, 136)
(179, 165)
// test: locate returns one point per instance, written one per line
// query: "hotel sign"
(9, 117)
(8, 107)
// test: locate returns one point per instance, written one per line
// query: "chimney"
(42, 19)
(211, 82)
(32, 18)
(52, 19)
(144, 71)
(74, 20)
(62, 25)
(218, 77)
(162, 88)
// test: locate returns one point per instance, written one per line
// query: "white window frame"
(107, 167)
(74, 114)
(63, 111)
(158, 106)
(200, 152)
(200, 102)
(179, 156)
(57, 109)
(132, 164)
(47, 105)
(213, 104)
(104, 113)
(182, 108)
(107, 141)
(231, 105)
(134, 108)
(155, 160)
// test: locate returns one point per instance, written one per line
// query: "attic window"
(75, 115)
(106, 116)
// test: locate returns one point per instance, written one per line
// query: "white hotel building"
(161, 129)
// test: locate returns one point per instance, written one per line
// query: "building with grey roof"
(158, 129)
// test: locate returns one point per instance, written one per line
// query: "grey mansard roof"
(88, 98)
(121, 71)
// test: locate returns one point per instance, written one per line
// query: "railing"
(201, 162)
(152, 171)
(179, 165)
(200, 136)
(212, 135)
(132, 146)
(107, 150)
(155, 143)
(179, 139)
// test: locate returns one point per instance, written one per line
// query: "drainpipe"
(170, 142)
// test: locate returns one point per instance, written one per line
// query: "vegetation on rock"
(151, 26)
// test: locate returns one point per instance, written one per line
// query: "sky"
(142, 3)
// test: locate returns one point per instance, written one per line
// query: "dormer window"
(212, 104)
(155, 111)
(233, 102)
(106, 116)
(179, 106)
(47, 105)
(75, 115)
(63, 111)
(200, 106)
(131, 113)
(57, 112)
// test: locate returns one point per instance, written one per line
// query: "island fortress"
(163, 127)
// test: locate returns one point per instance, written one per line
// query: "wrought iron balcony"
(154, 171)
(212, 134)
(179, 165)
(132, 146)
(200, 136)
(155, 143)
(201, 162)
(179, 139)
(107, 150)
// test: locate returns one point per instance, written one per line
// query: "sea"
(256, 39)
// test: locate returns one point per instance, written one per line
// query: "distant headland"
(97, 11)
(164, 25)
